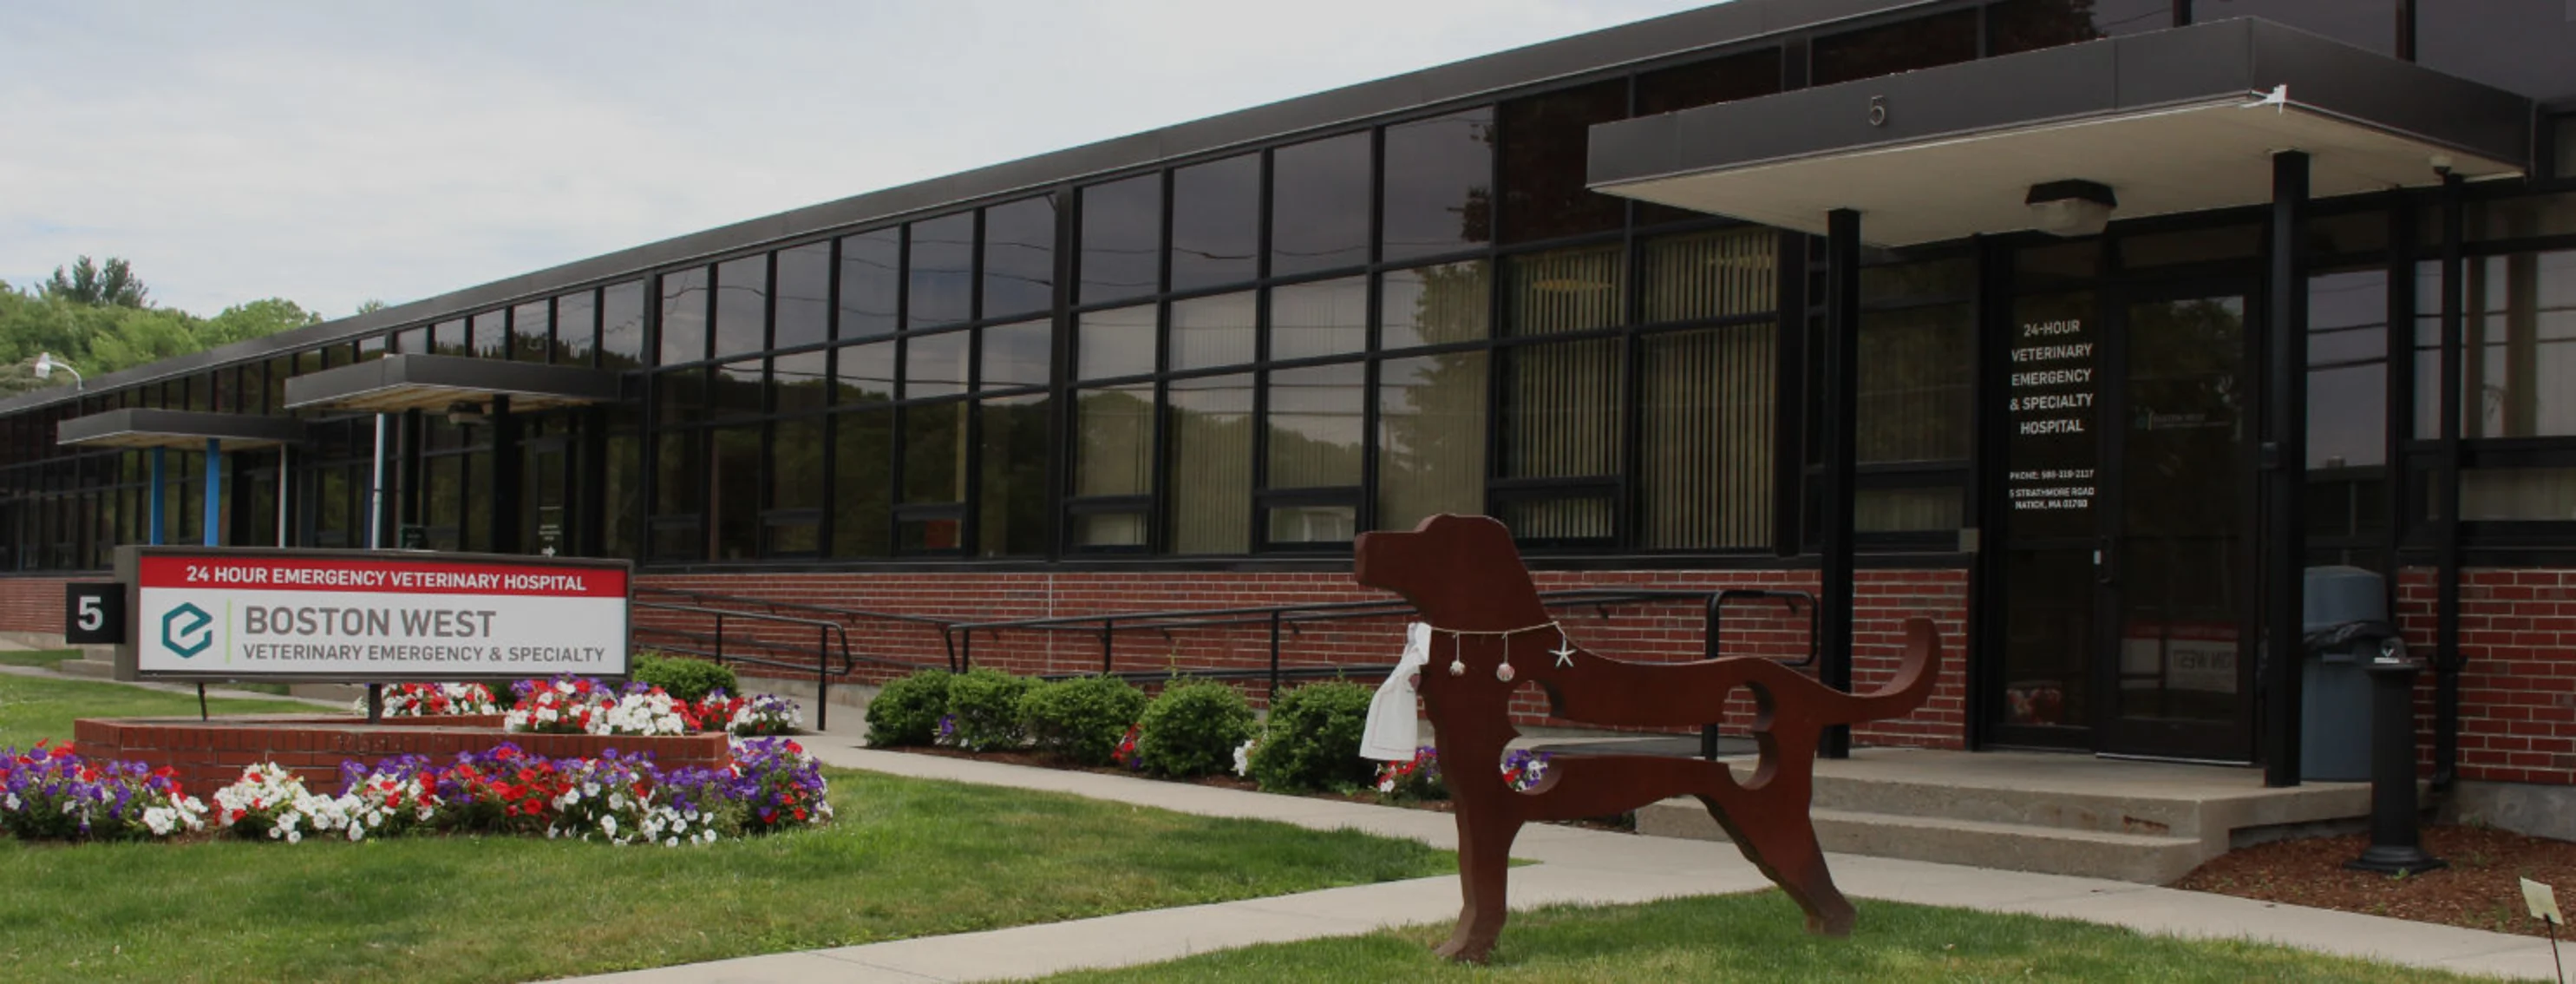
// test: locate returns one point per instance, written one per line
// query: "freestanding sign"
(348, 615)
(93, 613)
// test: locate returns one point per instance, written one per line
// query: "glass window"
(1122, 239)
(1212, 331)
(1561, 410)
(1430, 438)
(942, 272)
(1016, 354)
(684, 316)
(1211, 464)
(1216, 222)
(1317, 319)
(935, 365)
(1904, 46)
(1019, 257)
(491, 337)
(733, 493)
(1916, 384)
(2566, 147)
(532, 331)
(1115, 343)
(1439, 177)
(1315, 425)
(738, 390)
(2347, 491)
(871, 283)
(1706, 411)
(865, 373)
(1114, 441)
(804, 301)
(576, 327)
(862, 453)
(412, 340)
(1435, 305)
(802, 381)
(934, 459)
(1544, 138)
(680, 397)
(621, 325)
(1566, 290)
(2370, 24)
(796, 482)
(1741, 76)
(1012, 503)
(1319, 205)
(448, 338)
(2029, 25)
(742, 305)
(2519, 346)
(1711, 274)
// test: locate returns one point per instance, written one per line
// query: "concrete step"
(93, 669)
(2145, 858)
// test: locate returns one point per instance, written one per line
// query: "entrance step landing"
(2144, 822)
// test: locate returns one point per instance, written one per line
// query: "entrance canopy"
(440, 382)
(2171, 121)
(186, 430)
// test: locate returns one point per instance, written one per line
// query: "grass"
(45, 658)
(36, 708)
(905, 858)
(1756, 937)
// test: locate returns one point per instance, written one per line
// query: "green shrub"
(907, 711)
(682, 677)
(986, 705)
(1082, 719)
(1314, 739)
(1193, 730)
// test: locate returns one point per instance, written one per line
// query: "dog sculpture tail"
(1916, 674)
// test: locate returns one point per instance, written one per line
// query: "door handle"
(2102, 569)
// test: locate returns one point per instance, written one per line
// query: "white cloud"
(330, 153)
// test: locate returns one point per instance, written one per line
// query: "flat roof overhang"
(2181, 120)
(187, 430)
(417, 381)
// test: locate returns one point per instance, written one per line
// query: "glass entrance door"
(548, 496)
(2178, 563)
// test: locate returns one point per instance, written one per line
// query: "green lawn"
(36, 708)
(36, 657)
(1756, 937)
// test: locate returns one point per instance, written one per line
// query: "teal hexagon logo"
(187, 630)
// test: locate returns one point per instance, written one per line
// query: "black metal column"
(2396, 842)
(1840, 426)
(504, 522)
(2283, 540)
(2445, 493)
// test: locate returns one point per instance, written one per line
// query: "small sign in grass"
(1740, 938)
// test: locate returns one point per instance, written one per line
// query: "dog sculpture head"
(1460, 572)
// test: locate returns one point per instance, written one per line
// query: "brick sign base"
(209, 755)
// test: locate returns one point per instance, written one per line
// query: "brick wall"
(32, 604)
(2518, 686)
(1631, 631)
(208, 757)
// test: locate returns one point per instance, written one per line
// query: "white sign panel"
(370, 616)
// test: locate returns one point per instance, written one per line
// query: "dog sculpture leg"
(1790, 856)
(1484, 865)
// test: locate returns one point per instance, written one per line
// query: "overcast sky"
(330, 152)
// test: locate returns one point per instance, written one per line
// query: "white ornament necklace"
(1564, 651)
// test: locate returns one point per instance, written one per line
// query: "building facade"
(1735, 297)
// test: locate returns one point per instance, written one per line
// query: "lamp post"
(46, 364)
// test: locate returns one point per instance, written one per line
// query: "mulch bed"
(2480, 890)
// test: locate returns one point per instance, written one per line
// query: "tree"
(256, 319)
(369, 306)
(113, 284)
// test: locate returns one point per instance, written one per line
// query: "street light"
(46, 364)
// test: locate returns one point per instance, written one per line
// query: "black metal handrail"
(844, 615)
(825, 632)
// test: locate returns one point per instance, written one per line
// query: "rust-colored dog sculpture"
(1465, 577)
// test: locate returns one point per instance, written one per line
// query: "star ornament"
(1564, 651)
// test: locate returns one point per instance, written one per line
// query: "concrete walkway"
(1573, 865)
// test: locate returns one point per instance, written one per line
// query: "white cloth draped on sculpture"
(1393, 731)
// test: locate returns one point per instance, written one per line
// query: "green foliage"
(986, 704)
(1192, 729)
(112, 285)
(1314, 739)
(98, 320)
(682, 677)
(907, 711)
(1081, 719)
(257, 319)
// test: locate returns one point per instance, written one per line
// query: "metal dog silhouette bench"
(1490, 634)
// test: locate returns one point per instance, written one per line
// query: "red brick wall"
(2518, 686)
(1658, 631)
(32, 604)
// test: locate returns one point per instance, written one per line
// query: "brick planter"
(209, 755)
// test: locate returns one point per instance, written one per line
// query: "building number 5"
(93, 617)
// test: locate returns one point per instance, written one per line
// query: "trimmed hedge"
(907, 710)
(1192, 729)
(1082, 719)
(1314, 739)
(685, 679)
(985, 704)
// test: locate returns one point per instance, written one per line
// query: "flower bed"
(765, 785)
(210, 754)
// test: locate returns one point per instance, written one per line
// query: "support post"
(376, 490)
(2396, 845)
(2446, 496)
(212, 517)
(1841, 427)
(2284, 460)
(157, 509)
(506, 464)
(284, 482)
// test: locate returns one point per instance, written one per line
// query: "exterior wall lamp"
(2071, 208)
(46, 364)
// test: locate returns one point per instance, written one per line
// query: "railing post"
(1273, 696)
(719, 638)
(1107, 630)
(822, 675)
